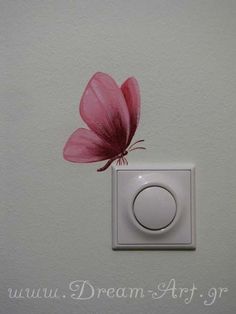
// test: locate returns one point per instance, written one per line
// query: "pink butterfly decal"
(112, 116)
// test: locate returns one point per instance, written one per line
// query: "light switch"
(153, 207)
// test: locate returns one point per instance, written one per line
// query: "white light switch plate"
(153, 207)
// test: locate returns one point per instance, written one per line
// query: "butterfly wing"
(86, 146)
(104, 109)
(111, 113)
(130, 90)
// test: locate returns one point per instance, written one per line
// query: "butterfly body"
(112, 115)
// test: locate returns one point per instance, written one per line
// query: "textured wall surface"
(55, 216)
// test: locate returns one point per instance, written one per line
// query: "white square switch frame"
(153, 207)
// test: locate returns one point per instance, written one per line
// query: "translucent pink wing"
(103, 108)
(131, 93)
(85, 146)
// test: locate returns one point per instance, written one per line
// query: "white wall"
(55, 216)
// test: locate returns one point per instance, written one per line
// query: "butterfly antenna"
(136, 143)
(138, 147)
